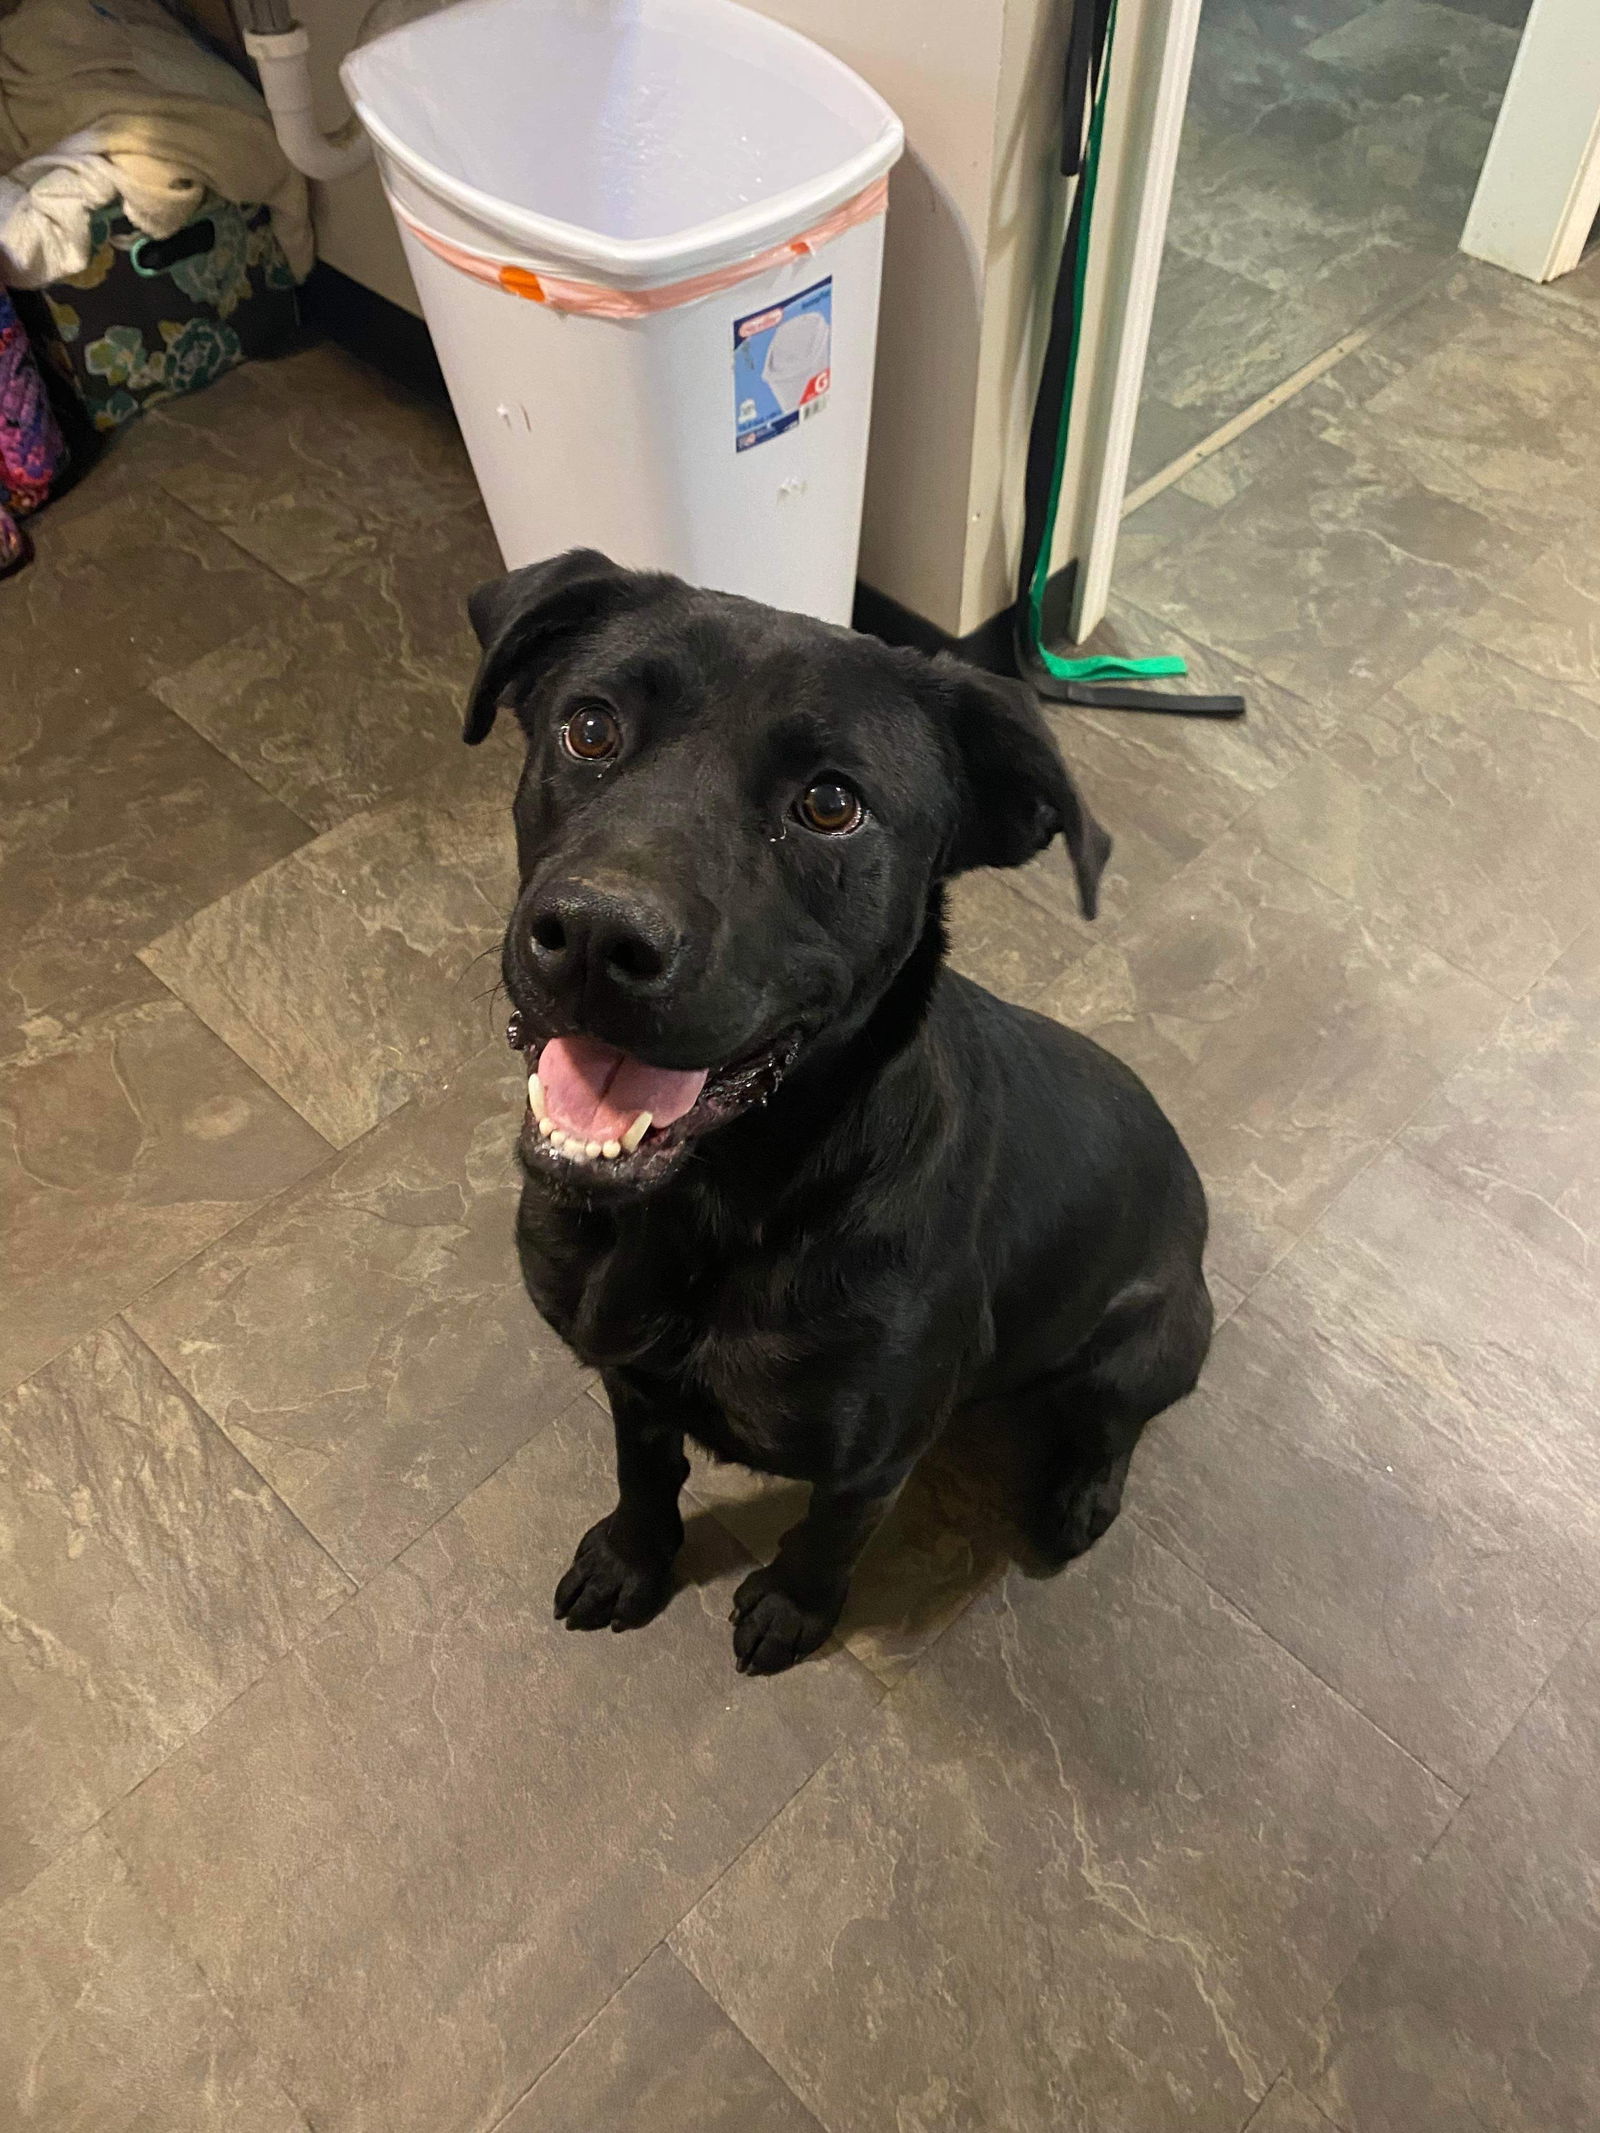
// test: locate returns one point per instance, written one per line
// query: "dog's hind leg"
(1079, 1426)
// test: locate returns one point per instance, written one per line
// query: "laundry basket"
(647, 236)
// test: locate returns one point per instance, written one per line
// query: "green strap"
(1109, 668)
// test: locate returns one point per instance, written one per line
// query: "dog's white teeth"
(536, 1098)
(577, 1150)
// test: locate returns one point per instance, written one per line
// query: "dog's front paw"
(771, 1630)
(604, 1589)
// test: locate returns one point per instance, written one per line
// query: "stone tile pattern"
(504, 1818)
(161, 1576)
(108, 2029)
(1278, 1810)
(1330, 149)
(415, 1366)
(661, 2054)
(1048, 1885)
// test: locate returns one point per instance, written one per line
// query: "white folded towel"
(107, 99)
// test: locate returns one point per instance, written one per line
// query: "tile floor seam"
(1382, 1149)
(1495, 651)
(578, 2035)
(97, 1826)
(1473, 1206)
(1280, 395)
(1399, 926)
(1037, 908)
(1282, 2075)
(728, 1866)
(256, 562)
(1450, 1186)
(322, 1168)
(152, 688)
(393, 1561)
(120, 1320)
(1583, 1630)
(232, 999)
(200, 1250)
(358, 1588)
(1176, 547)
(132, 1303)
(152, 1909)
(212, 526)
(1309, 2024)
(1465, 1200)
(1445, 1784)
(788, 2087)
(294, 1651)
(1138, 902)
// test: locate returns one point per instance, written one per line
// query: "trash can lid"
(643, 140)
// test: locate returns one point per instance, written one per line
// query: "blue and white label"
(782, 365)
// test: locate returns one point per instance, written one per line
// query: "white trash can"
(647, 236)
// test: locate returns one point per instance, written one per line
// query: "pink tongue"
(596, 1092)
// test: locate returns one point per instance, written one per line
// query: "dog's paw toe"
(771, 1631)
(602, 1590)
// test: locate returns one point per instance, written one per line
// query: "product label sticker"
(781, 359)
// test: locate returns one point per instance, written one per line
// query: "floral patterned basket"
(149, 318)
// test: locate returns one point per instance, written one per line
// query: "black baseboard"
(396, 342)
(992, 645)
(383, 334)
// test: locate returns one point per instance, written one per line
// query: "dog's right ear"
(526, 618)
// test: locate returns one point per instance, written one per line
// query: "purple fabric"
(31, 450)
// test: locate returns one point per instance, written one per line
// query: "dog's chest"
(746, 1342)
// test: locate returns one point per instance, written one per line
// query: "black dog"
(863, 1191)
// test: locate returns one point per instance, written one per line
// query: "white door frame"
(1539, 189)
(1146, 93)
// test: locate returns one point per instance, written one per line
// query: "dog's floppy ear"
(530, 614)
(1016, 793)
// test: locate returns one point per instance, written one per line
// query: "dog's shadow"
(952, 1532)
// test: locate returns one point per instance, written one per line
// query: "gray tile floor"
(1330, 150)
(1278, 1809)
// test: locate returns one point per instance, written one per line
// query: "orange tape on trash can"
(522, 281)
(594, 300)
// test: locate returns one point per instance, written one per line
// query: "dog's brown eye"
(591, 734)
(829, 807)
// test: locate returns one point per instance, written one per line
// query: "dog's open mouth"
(590, 1104)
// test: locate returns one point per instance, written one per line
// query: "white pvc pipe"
(281, 59)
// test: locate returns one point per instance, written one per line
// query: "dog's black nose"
(585, 938)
